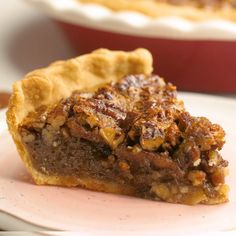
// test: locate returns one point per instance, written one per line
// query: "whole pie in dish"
(190, 9)
(104, 122)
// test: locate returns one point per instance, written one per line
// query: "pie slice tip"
(47, 86)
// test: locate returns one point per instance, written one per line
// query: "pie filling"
(134, 133)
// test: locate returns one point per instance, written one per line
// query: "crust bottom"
(110, 187)
(87, 183)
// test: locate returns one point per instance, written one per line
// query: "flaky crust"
(157, 9)
(49, 85)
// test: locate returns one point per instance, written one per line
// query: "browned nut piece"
(57, 121)
(124, 166)
(197, 177)
(213, 158)
(218, 177)
(152, 138)
(112, 136)
(162, 191)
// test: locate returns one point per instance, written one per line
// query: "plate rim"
(29, 226)
(14, 223)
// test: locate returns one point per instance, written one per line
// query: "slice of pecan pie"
(189, 9)
(102, 121)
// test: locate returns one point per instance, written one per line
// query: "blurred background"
(35, 33)
(28, 40)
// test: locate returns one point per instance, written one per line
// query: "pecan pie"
(190, 9)
(104, 122)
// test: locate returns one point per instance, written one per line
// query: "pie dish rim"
(101, 18)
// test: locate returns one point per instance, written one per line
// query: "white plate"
(24, 205)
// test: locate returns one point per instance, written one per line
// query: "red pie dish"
(201, 54)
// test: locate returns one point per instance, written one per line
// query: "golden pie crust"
(49, 85)
(157, 9)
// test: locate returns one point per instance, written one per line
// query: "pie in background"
(189, 9)
(104, 122)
